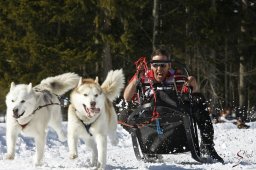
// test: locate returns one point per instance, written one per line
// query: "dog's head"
(88, 98)
(20, 100)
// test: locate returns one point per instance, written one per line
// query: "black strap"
(160, 61)
(40, 107)
(87, 127)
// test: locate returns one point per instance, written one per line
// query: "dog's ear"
(80, 82)
(12, 86)
(29, 88)
(97, 80)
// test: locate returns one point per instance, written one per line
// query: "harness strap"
(23, 126)
(143, 61)
(88, 126)
(38, 108)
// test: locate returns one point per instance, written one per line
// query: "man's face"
(160, 69)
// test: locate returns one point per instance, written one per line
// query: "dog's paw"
(9, 156)
(97, 168)
(37, 163)
(62, 137)
(100, 166)
(94, 162)
(73, 156)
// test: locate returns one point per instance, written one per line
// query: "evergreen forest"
(216, 39)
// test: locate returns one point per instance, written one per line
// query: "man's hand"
(140, 70)
(192, 82)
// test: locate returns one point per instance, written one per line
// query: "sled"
(173, 131)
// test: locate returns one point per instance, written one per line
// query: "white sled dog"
(91, 116)
(31, 109)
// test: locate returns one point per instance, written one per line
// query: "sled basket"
(174, 131)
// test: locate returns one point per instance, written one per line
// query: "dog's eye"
(96, 95)
(85, 94)
(22, 101)
(12, 100)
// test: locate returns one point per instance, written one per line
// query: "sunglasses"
(162, 65)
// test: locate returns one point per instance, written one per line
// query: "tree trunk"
(155, 26)
(225, 73)
(187, 56)
(106, 59)
(241, 87)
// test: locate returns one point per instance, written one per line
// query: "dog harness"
(88, 126)
(39, 107)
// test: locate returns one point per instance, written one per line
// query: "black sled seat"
(174, 131)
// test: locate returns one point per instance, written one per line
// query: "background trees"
(215, 38)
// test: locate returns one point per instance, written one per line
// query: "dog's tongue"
(90, 112)
(95, 110)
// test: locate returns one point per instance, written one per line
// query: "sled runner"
(165, 123)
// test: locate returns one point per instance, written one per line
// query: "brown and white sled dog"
(31, 109)
(91, 116)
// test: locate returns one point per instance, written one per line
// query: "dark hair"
(161, 51)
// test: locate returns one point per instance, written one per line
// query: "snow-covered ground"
(236, 146)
